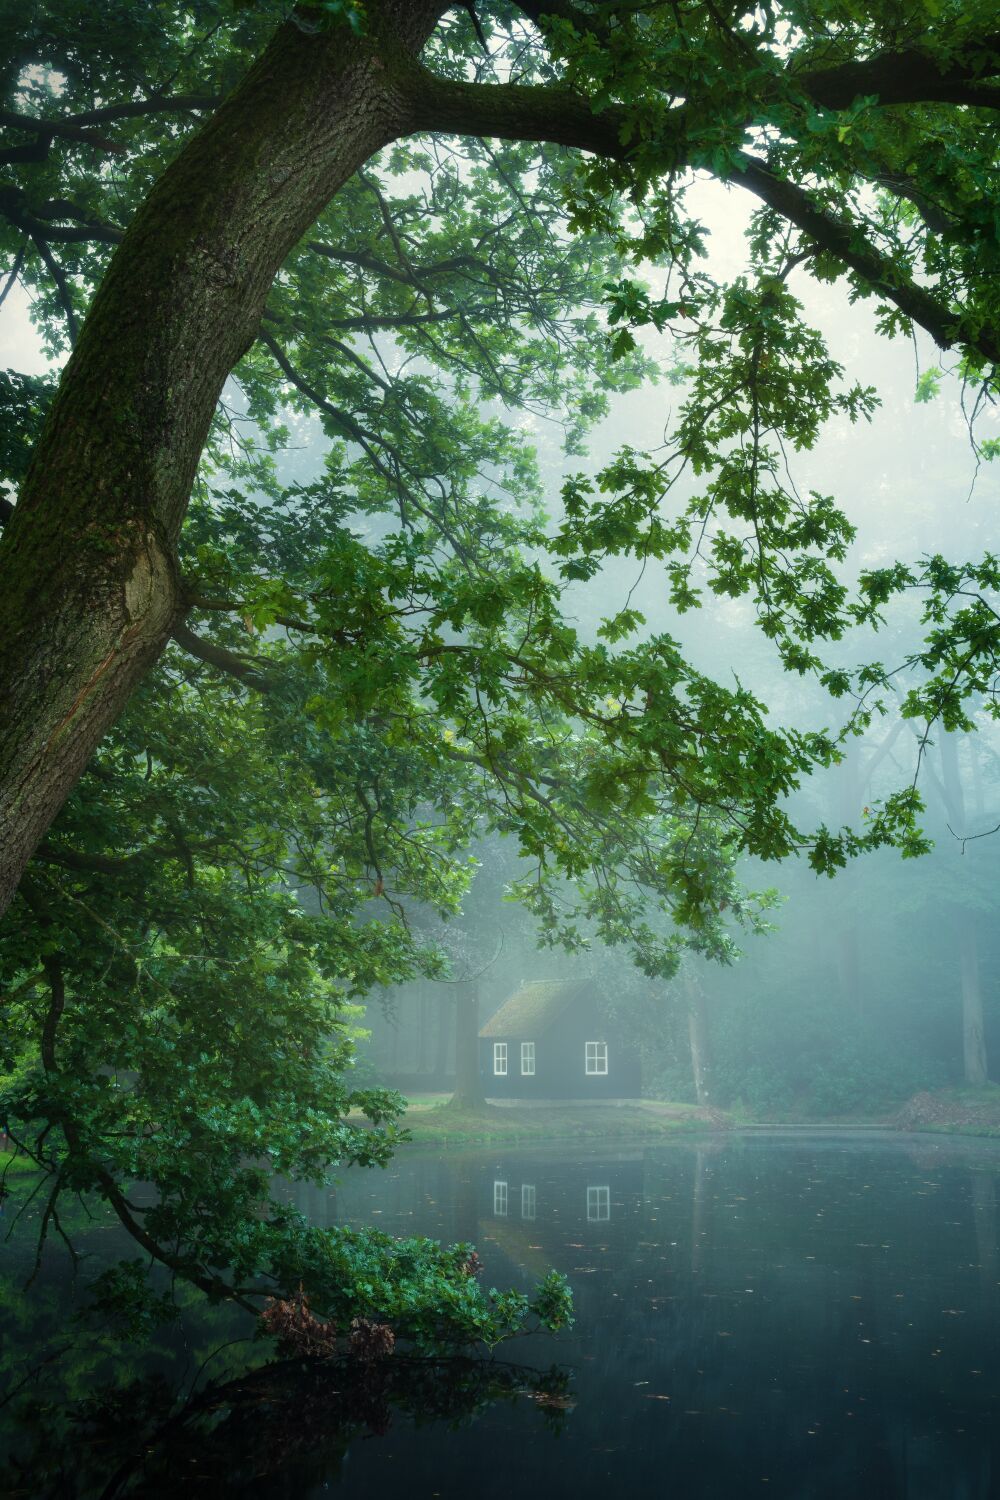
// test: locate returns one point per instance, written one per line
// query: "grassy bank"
(433, 1120)
(14, 1166)
(956, 1111)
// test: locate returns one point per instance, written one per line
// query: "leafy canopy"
(375, 664)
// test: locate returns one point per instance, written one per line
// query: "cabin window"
(527, 1057)
(500, 1059)
(598, 1204)
(597, 1057)
(527, 1200)
(500, 1199)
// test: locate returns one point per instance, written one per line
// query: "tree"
(197, 190)
(951, 793)
(855, 102)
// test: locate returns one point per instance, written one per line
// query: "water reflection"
(284, 1429)
(809, 1317)
(585, 1187)
(983, 1182)
(801, 1317)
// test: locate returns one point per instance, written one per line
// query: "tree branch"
(350, 428)
(104, 864)
(563, 10)
(407, 274)
(12, 276)
(55, 270)
(848, 243)
(377, 322)
(246, 669)
(908, 76)
(551, 113)
(32, 221)
(79, 127)
(368, 441)
(557, 114)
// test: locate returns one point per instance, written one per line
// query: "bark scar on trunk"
(151, 598)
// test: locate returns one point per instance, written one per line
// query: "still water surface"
(807, 1316)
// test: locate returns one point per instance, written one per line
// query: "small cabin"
(550, 1040)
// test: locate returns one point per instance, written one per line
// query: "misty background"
(862, 993)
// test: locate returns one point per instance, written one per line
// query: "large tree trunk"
(90, 583)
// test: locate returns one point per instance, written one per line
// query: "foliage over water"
(803, 1315)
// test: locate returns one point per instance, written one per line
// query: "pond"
(794, 1315)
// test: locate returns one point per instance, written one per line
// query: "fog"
(854, 1002)
(270, 1214)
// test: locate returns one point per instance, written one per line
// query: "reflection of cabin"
(551, 1041)
(532, 1205)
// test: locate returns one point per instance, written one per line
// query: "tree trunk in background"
(849, 792)
(445, 1032)
(973, 1031)
(469, 1092)
(973, 1027)
(423, 1030)
(698, 1038)
(92, 589)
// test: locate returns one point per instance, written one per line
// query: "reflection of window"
(597, 1057)
(527, 1057)
(598, 1204)
(527, 1200)
(500, 1058)
(500, 1199)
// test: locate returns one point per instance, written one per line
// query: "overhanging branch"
(557, 114)
(849, 244)
(909, 76)
(245, 669)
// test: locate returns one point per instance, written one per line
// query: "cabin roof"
(533, 1008)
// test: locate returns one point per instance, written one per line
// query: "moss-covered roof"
(533, 1008)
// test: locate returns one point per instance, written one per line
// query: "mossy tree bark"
(91, 585)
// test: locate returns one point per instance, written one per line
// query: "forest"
(498, 742)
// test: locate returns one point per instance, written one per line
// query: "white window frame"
(529, 1200)
(598, 1205)
(527, 1059)
(499, 1200)
(500, 1059)
(596, 1059)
